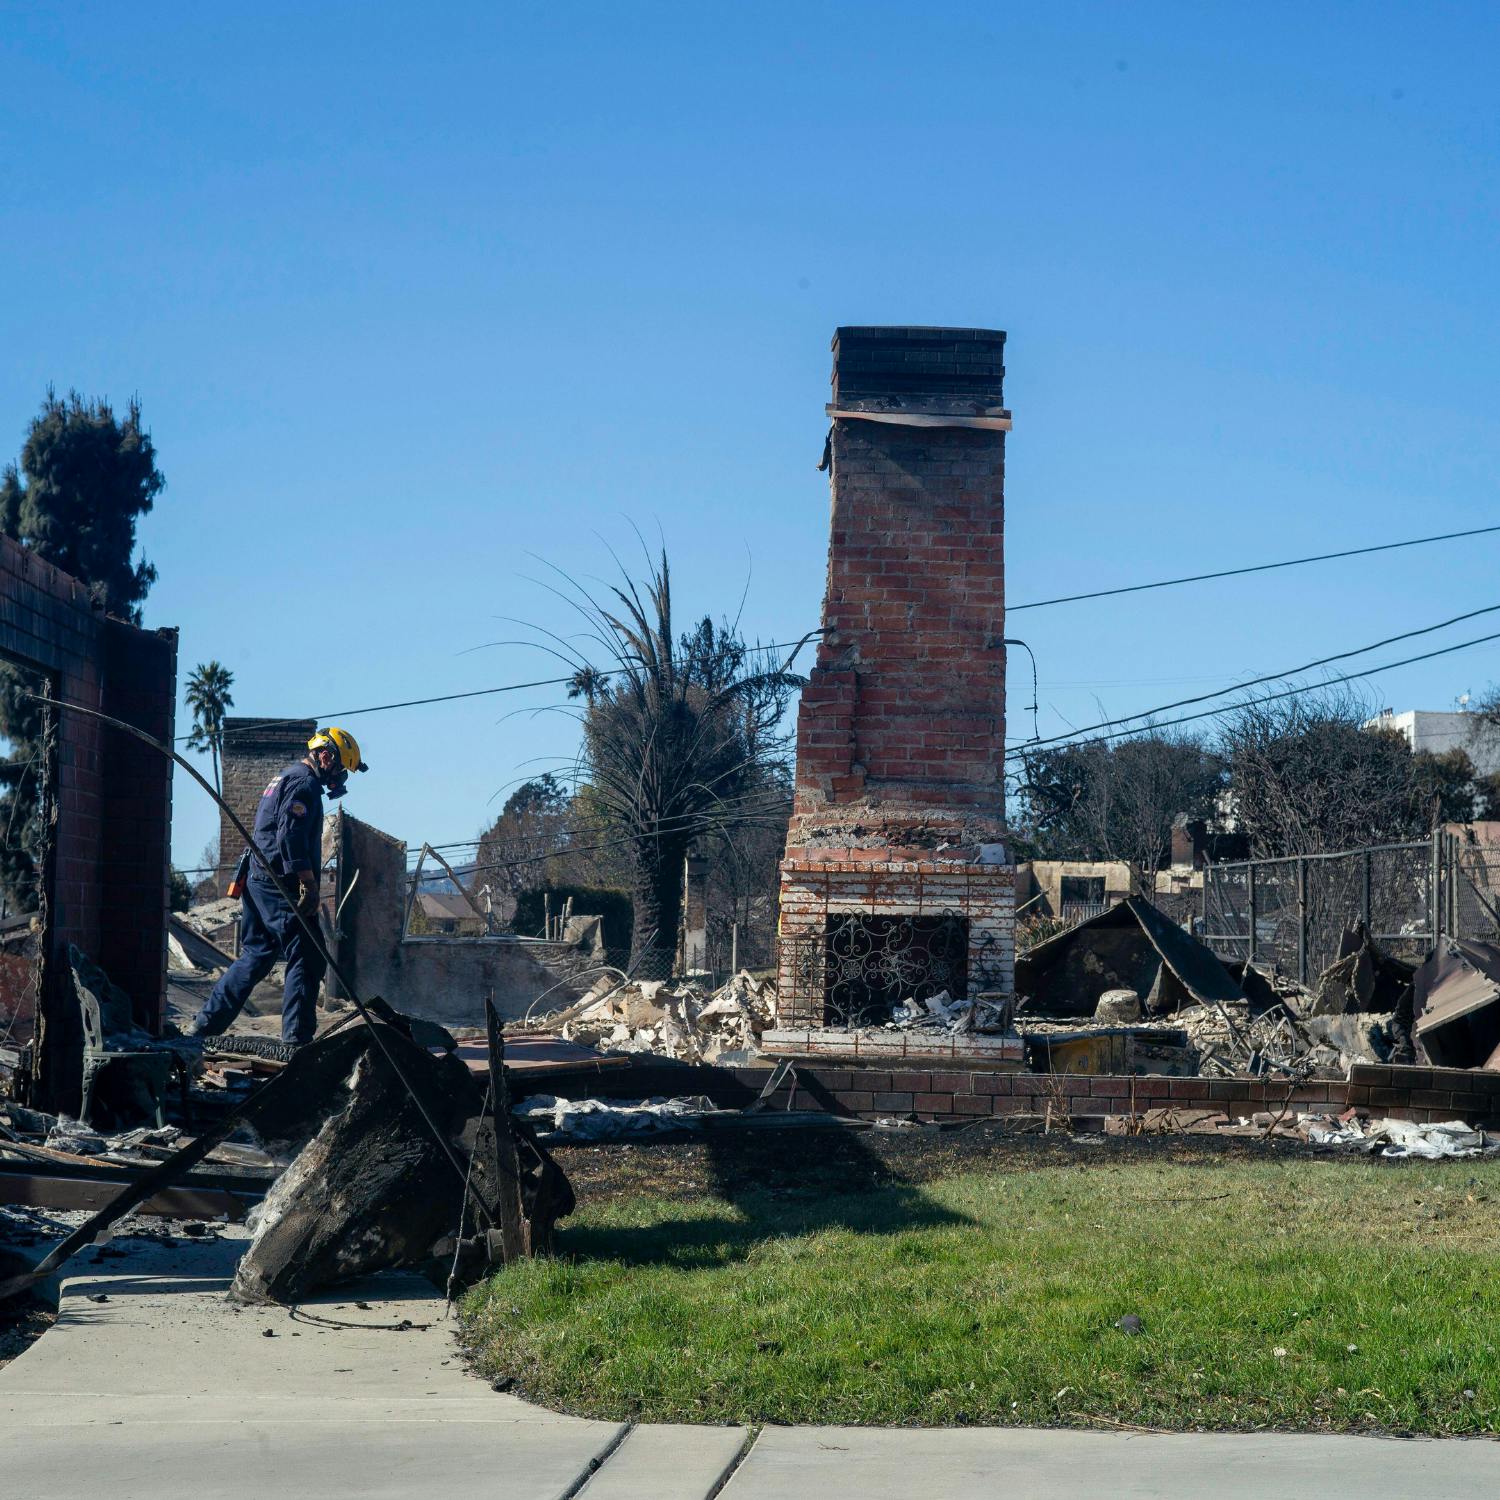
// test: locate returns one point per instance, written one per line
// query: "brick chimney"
(896, 840)
(255, 750)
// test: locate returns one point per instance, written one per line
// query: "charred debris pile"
(1128, 991)
(1133, 988)
(688, 1020)
(375, 1146)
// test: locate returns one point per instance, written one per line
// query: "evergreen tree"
(84, 480)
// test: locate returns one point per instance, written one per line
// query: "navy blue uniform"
(288, 831)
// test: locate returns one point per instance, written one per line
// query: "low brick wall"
(1425, 1093)
(946, 1094)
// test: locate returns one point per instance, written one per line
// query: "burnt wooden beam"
(46, 1190)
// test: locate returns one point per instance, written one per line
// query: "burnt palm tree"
(683, 739)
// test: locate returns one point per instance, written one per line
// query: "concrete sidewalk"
(166, 1389)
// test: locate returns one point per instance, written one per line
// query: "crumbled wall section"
(108, 880)
(443, 979)
(254, 751)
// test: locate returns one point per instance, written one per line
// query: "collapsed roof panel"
(1457, 1005)
(1126, 947)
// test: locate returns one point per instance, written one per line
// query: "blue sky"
(413, 295)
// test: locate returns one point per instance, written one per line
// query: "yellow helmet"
(343, 742)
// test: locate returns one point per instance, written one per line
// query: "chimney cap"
(917, 371)
(916, 333)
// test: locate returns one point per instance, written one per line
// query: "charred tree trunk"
(372, 1189)
(658, 896)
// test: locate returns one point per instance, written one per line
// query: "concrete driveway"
(165, 1389)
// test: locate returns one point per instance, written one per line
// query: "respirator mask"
(339, 747)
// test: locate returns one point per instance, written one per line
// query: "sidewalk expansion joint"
(751, 1438)
(595, 1464)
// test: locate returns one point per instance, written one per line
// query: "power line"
(1134, 588)
(1294, 562)
(1021, 751)
(1240, 687)
(742, 808)
(687, 821)
(509, 687)
(379, 708)
(511, 864)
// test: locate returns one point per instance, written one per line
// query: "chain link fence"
(1290, 913)
(1470, 887)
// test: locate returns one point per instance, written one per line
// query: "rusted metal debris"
(1456, 1003)
(1362, 978)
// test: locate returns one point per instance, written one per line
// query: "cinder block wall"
(443, 979)
(254, 751)
(106, 884)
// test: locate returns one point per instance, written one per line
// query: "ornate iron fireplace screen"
(867, 965)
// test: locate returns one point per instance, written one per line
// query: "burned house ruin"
(896, 882)
(105, 810)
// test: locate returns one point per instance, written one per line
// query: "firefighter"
(288, 836)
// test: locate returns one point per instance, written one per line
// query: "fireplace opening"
(872, 964)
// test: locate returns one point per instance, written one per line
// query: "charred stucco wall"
(106, 884)
(1044, 878)
(440, 979)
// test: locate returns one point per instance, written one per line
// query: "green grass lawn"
(1330, 1295)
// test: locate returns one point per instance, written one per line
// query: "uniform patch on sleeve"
(299, 810)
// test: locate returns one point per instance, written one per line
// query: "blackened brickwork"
(965, 365)
(107, 881)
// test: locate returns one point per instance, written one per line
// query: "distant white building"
(1440, 732)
